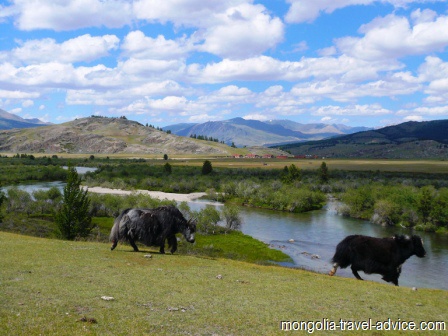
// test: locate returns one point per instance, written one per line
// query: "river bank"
(154, 194)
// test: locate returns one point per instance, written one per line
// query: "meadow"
(225, 284)
(56, 287)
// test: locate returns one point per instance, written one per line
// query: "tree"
(167, 168)
(165, 157)
(207, 167)
(232, 217)
(2, 199)
(425, 203)
(323, 173)
(292, 173)
(73, 218)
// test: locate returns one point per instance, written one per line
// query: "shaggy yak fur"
(152, 227)
(383, 256)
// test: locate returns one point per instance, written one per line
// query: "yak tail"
(342, 254)
(115, 231)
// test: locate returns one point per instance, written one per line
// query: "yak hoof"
(332, 272)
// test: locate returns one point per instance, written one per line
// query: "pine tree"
(73, 218)
(323, 173)
(207, 167)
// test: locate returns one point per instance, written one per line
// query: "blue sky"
(161, 62)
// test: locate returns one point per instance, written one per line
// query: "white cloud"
(62, 15)
(16, 94)
(241, 32)
(309, 10)
(426, 111)
(82, 48)
(350, 110)
(256, 116)
(27, 103)
(194, 13)
(137, 45)
(393, 37)
(413, 118)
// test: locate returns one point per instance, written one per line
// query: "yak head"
(411, 245)
(419, 250)
(190, 229)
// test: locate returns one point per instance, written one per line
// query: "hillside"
(103, 135)
(244, 132)
(9, 121)
(409, 140)
(56, 287)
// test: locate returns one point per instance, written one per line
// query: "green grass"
(54, 287)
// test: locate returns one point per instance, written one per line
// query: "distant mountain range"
(409, 140)
(242, 132)
(9, 120)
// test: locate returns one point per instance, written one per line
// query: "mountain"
(318, 128)
(242, 132)
(409, 140)
(109, 136)
(9, 121)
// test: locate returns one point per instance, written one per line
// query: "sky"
(162, 62)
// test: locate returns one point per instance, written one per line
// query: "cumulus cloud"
(350, 110)
(308, 10)
(85, 48)
(394, 37)
(137, 45)
(241, 32)
(63, 15)
(195, 13)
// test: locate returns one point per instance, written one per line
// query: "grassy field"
(54, 287)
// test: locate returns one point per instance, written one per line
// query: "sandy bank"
(154, 194)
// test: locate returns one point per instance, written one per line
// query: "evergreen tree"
(73, 218)
(207, 167)
(167, 168)
(323, 173)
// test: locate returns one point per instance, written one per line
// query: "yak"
(383, 256)
(152, 227)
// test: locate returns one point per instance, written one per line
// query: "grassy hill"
(410, 140)
(103, 135)
(54, 287)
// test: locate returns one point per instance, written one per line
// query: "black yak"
(152, 227)
(383, 256)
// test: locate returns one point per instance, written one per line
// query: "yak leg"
(162, 247)
(392, 277)
(334, 269)
(131, 241)
(355, 273)
(172, 242)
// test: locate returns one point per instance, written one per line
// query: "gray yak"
(152, 227)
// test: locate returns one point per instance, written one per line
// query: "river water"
(310, 240)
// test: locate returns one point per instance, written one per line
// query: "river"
(310, 240)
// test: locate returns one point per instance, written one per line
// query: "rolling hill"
(9, 121)
(242, 132)
(110, 136)
(409, 140)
